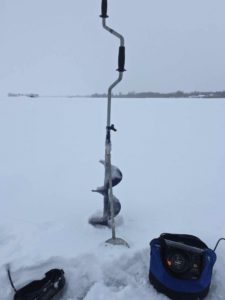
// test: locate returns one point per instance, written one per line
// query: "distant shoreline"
(141, 95)
(178, 94)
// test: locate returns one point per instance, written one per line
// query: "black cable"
(221, 239)
(10, 279)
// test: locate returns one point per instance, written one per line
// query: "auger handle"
(121, 59)
(104, 9)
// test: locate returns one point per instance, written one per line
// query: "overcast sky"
(59, 46)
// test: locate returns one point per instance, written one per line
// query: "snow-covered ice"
(172, 155)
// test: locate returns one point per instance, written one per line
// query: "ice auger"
(113, 175)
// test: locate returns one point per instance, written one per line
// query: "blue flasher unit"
(181, 266)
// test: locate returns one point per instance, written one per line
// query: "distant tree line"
(177, 94)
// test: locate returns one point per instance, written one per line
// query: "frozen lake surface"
(172, 155)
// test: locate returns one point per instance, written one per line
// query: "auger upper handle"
(104, 9)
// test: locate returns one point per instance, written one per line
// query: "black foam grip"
(121, 59)
(104, 9)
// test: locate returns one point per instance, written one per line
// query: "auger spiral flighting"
(104, 191)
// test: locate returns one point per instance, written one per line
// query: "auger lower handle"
(121, 59)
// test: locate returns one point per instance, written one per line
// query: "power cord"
(221, 239)
(10, 279)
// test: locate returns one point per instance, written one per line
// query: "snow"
(172, 155)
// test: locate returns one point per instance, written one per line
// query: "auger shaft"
(109, 126)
